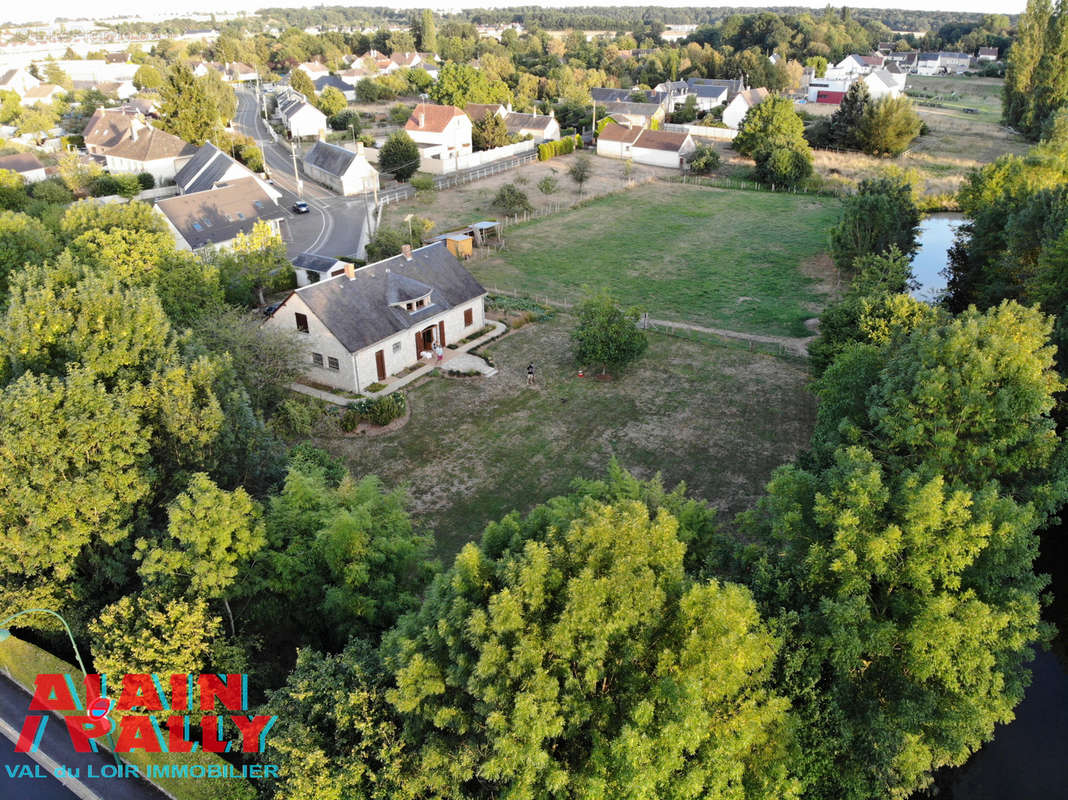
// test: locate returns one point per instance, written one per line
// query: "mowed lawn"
(719, 418)
(741, 260)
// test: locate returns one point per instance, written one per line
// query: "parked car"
(301, 207)
(268, 310)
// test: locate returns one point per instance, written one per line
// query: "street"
(56, 749)
(334, 225)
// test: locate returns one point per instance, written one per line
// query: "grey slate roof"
(646, 109)
(611, 95)
(357, 310)
(332, 80)
(220, 214)
(702, 90)
(330, 158)
(203, 170)
(315, 263)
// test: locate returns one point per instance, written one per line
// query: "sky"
(152, 8)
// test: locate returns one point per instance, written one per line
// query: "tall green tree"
(845, 123)
(186, 108)
(881, 215)
(428, 36)
(903, 555)
(332, 101)
(148, 77)
(460, 84)
(1021, 67)
(399, 156)
(773, 135)
(570, 653)
(489, 132)
(299, 81)
(888, 127)
(607, 334)
(23, 240)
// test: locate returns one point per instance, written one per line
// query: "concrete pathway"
(458, 359)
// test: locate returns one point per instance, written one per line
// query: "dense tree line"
(1036, 75)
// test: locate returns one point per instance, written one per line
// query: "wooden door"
(441, 333)
(380, 362)
(418, 344)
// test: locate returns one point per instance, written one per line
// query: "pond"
(935, 237)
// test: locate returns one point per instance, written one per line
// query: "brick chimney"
(350, 271)
(406, 250)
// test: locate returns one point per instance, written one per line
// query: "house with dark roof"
(643, 146)
(337, 82)
(708, 95)
(150, 150)
(214, 218)
(345, 171)
(371, 322)
(312, 268)
(210, 167)
(25, 164)
(641, 114)
(479, 111)
(988, 54)
(18, 81)
(440, 131)
(299, 116)
(540, 127)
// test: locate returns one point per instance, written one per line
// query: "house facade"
(371, 322)
(213, 218)
(345, 171)
(107, 128)
(299, 116)
(655, 148)
(45, 93)
(540, 127)
(440, 131)
(737, 108)
(25, 164)
(150, 150)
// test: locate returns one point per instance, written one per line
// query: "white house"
(737, 108)
(440, 131)
(299, 116)
(641, 114)
(345, 171)
(929, 64)
(405, 61)
(45, 93)
(643, 146)
(312, 268)
(213, 218)
(856, 65)
(884, 83)
(25, 164)
(150, 150)
(210, 167)
(708, 95)
(372, 322)
(988, 54)
(540, 127)
(313, 69)
(239, 72)
(18, 81)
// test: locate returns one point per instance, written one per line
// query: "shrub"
(377, 410)
(128, 185)
(422, 183)
(251, 156)
(560, 147)
(146, 180)
(296, 417)
(343, 120)
(399, 156)
(51, 190)
(399, 114)
(103, 186)
(512, 199)
(376, 387)
(548, 184)
(704, 159)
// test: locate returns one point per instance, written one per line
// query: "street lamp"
(5, 634)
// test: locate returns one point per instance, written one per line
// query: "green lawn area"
(717, 417)
(955, 93)
(741, 260)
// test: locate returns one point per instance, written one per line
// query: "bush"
(512, 199)
(103, 186)
(146, 180)
(422, 183)
(399, 156)
(128, 186)
(784, 166)
(251, 156)
(378, 411)
(52, 190)
(399, 114)
(295, 417)
(704, 159)
(548, 184)
(343, 120)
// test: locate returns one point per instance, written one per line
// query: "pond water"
(936, 237)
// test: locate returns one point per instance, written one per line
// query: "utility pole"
(296, 173)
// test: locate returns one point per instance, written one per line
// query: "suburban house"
(355, 75)
(478, 111)
(825, 90)
(732, 85)
(884, 83)
(643, 146)
(150, 150)
(988, 54)
(375, 321)
(337, 82)
(440, 131)
(855, 65)
(210, 167)
(312, 268)
(937, 63)
(239, 72)
(737, 108)
(45, 93)
(214, 217)
(906, 59)
(25, 164)
(120, 90)
(107, 128)
(313, 69)
(18, 81)
(299, 116)
(674, 92)
(540, 127)
(202, 68)
(404, 61)
(641, 114)
(708, 95)
(345, 171)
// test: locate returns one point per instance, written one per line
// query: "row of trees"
(1036, 82)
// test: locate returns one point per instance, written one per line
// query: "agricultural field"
(749, 261)
(965, 98)
(719, 418)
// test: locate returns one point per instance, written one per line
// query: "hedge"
(560, 147)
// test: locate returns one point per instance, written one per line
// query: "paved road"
(334, 225)
(56, 746)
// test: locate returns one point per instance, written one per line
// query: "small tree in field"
(704, 159)
(607, 334)
(581, 170)
(513, 200)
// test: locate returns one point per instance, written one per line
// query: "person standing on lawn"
(530, 374)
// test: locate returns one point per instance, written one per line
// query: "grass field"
(719, 418)
(742, 260)
(966, 98)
